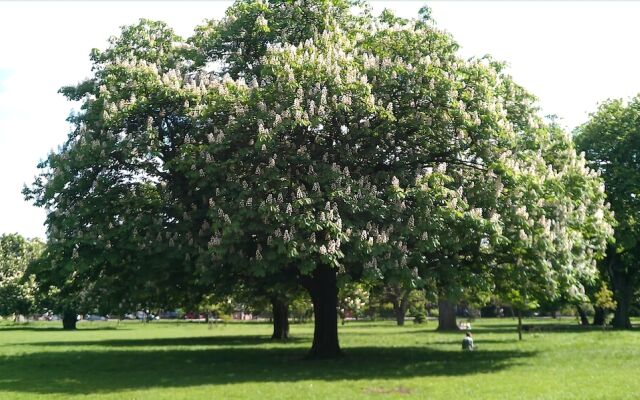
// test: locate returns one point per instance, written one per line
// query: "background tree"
(550, 241)
(405, 299)
(301, 308)
(604, 300)
(353, 299)
(611, 142)
(398, 295)
(418, 306)
(18, 289)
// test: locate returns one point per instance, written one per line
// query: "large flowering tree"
(311, 140)
(554, 223)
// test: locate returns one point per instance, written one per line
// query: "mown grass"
(168, 360)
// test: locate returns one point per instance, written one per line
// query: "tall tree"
(611, 142)
(308, 140)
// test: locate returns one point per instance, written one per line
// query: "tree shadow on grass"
(116, 368)
(537, 327)
(237, 340)
(242, 340)
(474, 330)
(512, 329)
(477, 341)
(50, 329)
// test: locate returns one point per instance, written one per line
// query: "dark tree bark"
(280, 310)
(447, 315)
(622, 291)
(322, 287)
(623, 296)
(598, 317)
(584, 321)
(69, 319)
(519, 324)
(400, 301)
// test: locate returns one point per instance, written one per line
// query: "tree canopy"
(313, 140)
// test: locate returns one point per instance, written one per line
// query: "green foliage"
(18, 289)
(604, 299)
(520, 301)
(418, 306)
(218, 309)
(285, 139)
(610, 140)
(301, 308)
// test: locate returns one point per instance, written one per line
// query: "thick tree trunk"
(400, 306)
(280, 310)
(598, 317)
(623, 297)
(584, 321)
(69, 319)
(447, 315)
(622, 292)
(324, 294)
(519, 324)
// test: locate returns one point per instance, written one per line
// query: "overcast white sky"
(571, 55)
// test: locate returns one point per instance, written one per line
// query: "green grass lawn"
(168, 360)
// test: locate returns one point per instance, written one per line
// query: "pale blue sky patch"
(4, 75)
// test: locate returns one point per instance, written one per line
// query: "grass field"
(168, 360)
